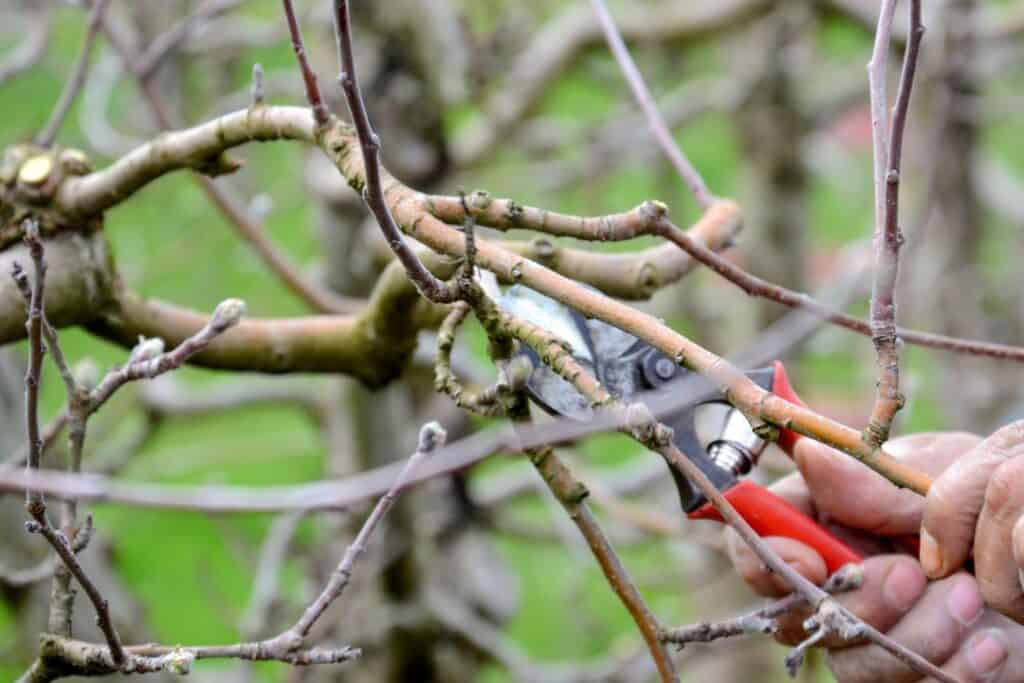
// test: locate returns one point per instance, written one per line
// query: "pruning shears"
(712, 433)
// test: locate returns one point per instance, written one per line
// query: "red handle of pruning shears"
(770, 515)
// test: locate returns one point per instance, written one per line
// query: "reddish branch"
(313, 96)
(755, 286)
(370, 187)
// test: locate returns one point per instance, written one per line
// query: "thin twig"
(432, 435)
(313, 96)
(643, 96)
(372, 190)
(60, 543)
(763, 619)
(148, 359)
(77, 79)
(756, 286)
(33, 373)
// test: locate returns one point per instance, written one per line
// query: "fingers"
(955, 502)
(936, 628)
(839, 485)
(993, 652)
(891, 587)
(995, 562)
(765, 582)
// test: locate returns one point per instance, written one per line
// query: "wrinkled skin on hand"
(970, 625)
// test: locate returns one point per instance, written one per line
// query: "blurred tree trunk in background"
(430, 550)
(771, 128)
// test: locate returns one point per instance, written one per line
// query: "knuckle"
(1007, 439)
(940, 508)
(1004, 490)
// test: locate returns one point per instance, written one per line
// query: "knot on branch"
(217, 165)
(30, 178)
(179, 662)
(653, 211)
(642, 424)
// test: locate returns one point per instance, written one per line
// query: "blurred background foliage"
(192, 572)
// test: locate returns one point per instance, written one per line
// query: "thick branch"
(339, 344)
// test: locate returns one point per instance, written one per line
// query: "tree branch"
(370, 188)
(318, 297)
(888, 147)
(313, 96)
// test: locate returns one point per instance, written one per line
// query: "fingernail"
(929, 554)
(986, 652)
(964, 601)
(903, 586)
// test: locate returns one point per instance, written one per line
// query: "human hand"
(946, 620)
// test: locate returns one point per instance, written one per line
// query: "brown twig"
(643, 96)
(371, 189)
(313, 96)
(36, 505)
(764, 619)
(755, 286)
(74, 83)
(432, 435)
(33, 373)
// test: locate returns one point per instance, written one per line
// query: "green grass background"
(171, 244)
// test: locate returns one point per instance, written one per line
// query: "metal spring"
(732, 457)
